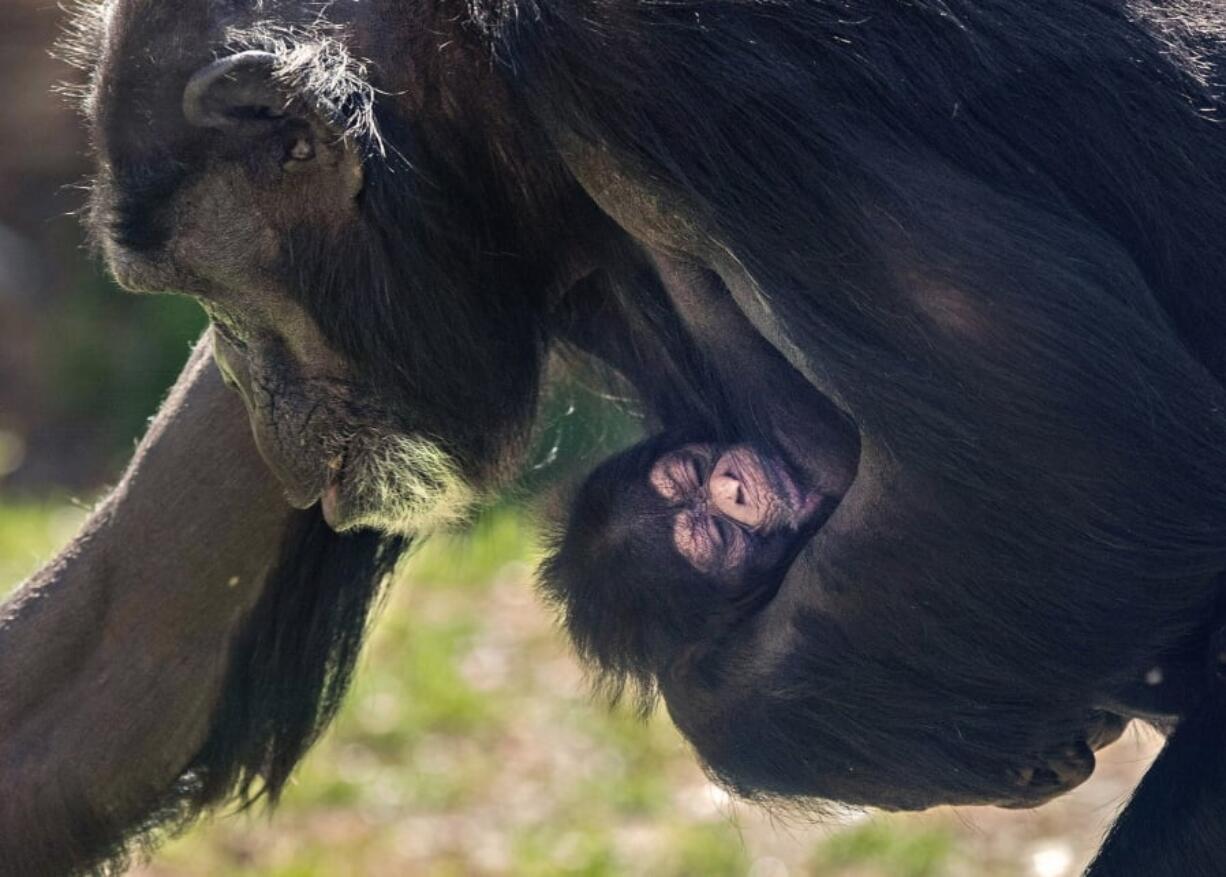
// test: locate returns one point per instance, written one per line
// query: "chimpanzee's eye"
(694, 469)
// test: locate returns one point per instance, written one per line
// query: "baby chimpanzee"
(732, 507)
(671, 544)
(674, 540)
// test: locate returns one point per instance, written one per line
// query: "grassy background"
(469, 747)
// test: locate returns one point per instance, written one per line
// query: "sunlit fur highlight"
(412, 486)
(315, 62)
(78, 46)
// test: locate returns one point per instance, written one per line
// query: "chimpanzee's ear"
(233, 91)
(241, 93)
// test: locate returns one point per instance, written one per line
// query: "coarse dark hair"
(990, 230)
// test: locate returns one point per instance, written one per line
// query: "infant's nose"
(730, 497)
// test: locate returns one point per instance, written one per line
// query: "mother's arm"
(113, 656)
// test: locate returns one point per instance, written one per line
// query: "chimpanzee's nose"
(730, 496)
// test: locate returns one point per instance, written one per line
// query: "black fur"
(415, 307)
(992, 230)
(1175, 824)
(1063, 165)
(291, 666)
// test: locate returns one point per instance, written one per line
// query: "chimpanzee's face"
(227, 172)
(730, 506)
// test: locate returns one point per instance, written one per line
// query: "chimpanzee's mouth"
(392, 481)
(787, 502)
(331, 500)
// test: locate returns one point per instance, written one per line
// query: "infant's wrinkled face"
(729, 499)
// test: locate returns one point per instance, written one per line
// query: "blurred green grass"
(31, 530)
(469, 746)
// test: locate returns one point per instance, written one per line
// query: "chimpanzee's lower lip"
(329, 504)
(332, 500)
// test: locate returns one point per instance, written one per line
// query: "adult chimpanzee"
(986, 232)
